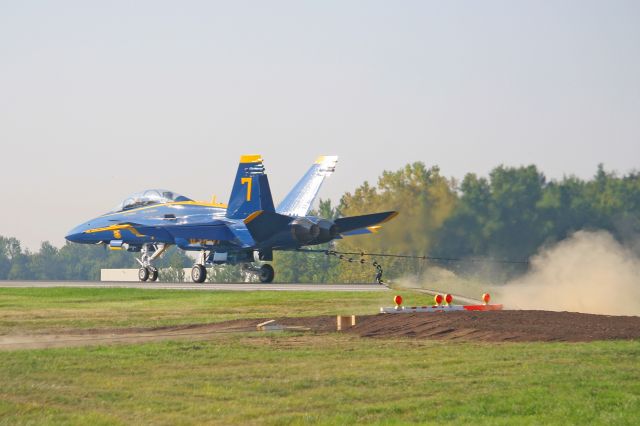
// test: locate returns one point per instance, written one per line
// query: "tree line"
(509, 214)
(73, 261)
(506, 216)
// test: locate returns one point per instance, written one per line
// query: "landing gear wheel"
(143, 274)
(198, 274)
(153, 273)
(266, 273)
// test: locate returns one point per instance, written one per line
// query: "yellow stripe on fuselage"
(172, 203)
(195, 203)
(116, 230)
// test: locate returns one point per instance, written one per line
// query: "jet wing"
(215, 231)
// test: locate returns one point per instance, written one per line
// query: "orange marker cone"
(397, 300)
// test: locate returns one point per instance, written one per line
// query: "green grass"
(44, 309)
(283, 379)
(295, 378)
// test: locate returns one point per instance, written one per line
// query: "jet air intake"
(304, 231)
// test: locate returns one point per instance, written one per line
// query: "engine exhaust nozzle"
(304, 231)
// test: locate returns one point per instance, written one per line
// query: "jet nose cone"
(74, 238)
(75, 235)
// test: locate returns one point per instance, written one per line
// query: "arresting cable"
(342, 255)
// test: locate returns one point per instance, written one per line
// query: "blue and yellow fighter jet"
(246, 231)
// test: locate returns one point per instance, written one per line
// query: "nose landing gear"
(149, 273)
(149, 252)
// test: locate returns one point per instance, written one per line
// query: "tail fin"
(298, 201)
(251, 190)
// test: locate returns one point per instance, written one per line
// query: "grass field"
(37, 309)
(294, 378)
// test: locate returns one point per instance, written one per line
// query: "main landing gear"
(265, 273)
(198, 273)
(150, 252)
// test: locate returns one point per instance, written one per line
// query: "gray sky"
(101, 99)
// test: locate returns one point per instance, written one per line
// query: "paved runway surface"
(191, 286)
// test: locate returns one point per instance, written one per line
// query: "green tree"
(227, 274)
(5, 260)
(171, 265)
(425, 200)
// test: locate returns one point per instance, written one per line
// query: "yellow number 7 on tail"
(247, 180)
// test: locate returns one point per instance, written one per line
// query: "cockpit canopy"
(148, 198)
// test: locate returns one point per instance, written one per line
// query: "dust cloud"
(589, 272)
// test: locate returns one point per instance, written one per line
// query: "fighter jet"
(246, 231)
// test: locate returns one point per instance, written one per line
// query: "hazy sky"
(100, 99)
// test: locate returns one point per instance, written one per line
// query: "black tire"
(198, 274)
(153, 274)
(266, 273)
(143, 274)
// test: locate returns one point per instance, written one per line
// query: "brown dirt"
(86, 337)
(496, 326)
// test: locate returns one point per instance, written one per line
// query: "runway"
(197, 287)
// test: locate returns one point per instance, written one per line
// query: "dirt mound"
(496, 326)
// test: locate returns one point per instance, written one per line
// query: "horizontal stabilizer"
(346, 225)
(263, 224)
(362, 231)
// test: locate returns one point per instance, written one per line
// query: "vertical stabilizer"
(251, 190)
(298, 202)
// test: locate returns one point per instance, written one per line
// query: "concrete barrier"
(129, 275)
